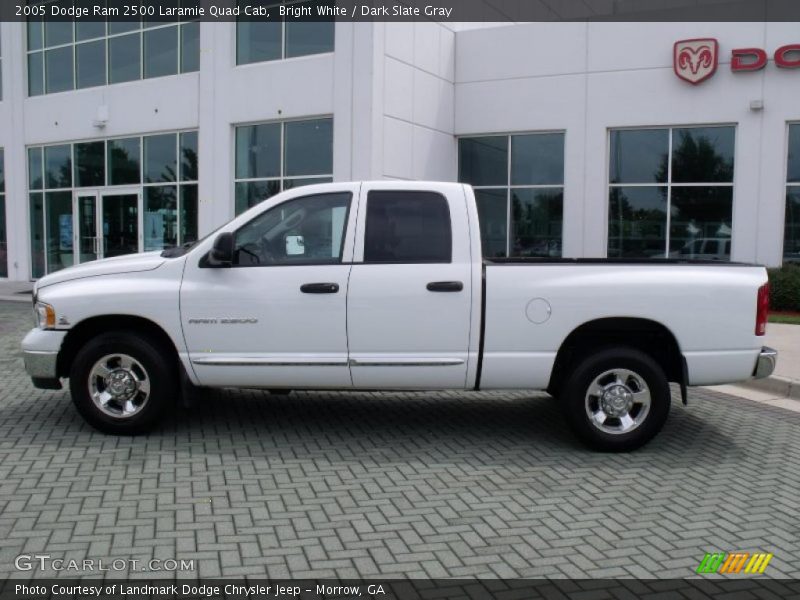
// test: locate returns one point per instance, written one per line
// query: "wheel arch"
(646, 335)
(85, 330)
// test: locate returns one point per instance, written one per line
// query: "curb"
(779, 386)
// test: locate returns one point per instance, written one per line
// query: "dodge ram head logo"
(695, 60)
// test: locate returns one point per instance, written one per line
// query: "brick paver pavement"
(392, 484)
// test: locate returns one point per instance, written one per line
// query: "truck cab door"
(276, 317)
(409, 311)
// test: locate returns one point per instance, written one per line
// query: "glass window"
(702, 155)
(58, 228)
(190, 47)
(483, 161)
(35, 168)
(188, 156)
(161, 52)
(37, 234)
(2, 173)
(115, 27)
(188, 213)
(90, 164)
(257, 41)
(91, 64)
(124, 54)
(123, 161)
(59, 70)
(58, 166)
(537, 159)
(536, 215)
(308, 145)
(519, 191)
(701, 222)
(160, 217)
(36, 73)
(160, 158)
(89, 30)
(271, 157)
(35, 34)
(791, 234)
(307, 230)
(637, 222)
(493, 218)
(407, 227)
(639, 156)
(250, 193)
(308, 37)
(258, 151)
(659, 207)
(57, 33)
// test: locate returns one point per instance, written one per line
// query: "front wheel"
(617, 399)
(121, 383)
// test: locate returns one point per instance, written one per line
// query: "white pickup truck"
(382, 286)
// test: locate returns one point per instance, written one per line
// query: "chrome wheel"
(119, 385)
(618, 401)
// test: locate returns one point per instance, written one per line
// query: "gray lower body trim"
(765, 364)
(446, 362)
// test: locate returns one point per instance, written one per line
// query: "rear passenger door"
(410, 291)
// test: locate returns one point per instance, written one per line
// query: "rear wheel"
(121, 383)
(617, 399)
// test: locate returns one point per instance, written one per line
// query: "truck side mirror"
(221, 254)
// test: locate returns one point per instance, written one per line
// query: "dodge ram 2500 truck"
(383, 286)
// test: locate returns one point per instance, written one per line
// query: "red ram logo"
(695, 60)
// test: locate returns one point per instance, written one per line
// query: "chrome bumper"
(765, 364)
(39, 364)
(40, 352)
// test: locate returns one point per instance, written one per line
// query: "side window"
(307, 230)
(407, 227)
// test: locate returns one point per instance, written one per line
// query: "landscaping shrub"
(784, 286)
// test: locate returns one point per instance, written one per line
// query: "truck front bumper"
(765, 364)
(40, 352)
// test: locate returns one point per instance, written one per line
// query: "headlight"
(45, 315)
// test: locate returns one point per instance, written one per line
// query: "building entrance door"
(107, 223)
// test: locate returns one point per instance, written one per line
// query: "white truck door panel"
(410, 294)
(277, 318)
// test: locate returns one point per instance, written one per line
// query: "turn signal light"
(762, 309)
(45, 316)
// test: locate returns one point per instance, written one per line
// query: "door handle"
(319, 288)
(445, 286)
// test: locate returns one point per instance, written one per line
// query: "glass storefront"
(671, 193)
(272, 157)
(64, 56)
(105, 198)
(519, 189)
(791, 235)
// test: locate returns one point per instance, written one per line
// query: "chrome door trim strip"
(434, 362)
(257, 362)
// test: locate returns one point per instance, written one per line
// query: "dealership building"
(645, 140)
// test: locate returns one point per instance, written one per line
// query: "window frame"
(301, 263)
(281, 178)
(3, 213)
(140, 31)
(669, 184)
(366, 199)
(509, 187)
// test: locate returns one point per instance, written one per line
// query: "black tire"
(577, 403)
(279, 392)
(151, 365)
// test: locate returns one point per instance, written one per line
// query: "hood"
(130, 263)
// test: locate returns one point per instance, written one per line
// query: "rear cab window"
(407, 227)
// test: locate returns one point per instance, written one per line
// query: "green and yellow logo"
(734, 563)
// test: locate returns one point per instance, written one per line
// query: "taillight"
(762, 309)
